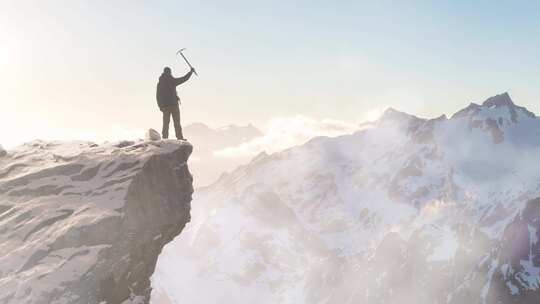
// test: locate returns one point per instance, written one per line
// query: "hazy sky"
(78, 69)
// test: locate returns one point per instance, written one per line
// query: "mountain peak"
(489, 105)
(499, 101)
(391, 114)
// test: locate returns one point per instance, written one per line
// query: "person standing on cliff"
(168, 101)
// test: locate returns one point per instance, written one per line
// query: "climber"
(168, 100)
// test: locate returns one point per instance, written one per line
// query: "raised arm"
(178, 81)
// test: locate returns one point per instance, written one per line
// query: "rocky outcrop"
(85, 223)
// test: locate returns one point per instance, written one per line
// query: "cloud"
(285, 132)
(373, 114)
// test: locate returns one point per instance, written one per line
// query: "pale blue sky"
(70, 67)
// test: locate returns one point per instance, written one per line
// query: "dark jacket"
(166, 94)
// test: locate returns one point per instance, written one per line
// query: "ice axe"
(189, 64)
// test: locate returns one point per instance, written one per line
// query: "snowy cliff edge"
(85, 223)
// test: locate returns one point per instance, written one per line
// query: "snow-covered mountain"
(206, 167)
(409, 210)
(85, 223)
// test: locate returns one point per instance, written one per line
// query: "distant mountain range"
(407, 210)
(204, 165)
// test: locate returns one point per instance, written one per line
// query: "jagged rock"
(152, 135)
(2, 151)
(81, 223)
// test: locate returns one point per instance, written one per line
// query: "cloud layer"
(285, 132)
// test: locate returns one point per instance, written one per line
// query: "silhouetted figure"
(168, 100)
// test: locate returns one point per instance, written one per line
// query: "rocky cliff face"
(85, 223)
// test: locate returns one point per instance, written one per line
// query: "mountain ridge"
(408, 204)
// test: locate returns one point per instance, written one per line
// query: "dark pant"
(175, 112)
